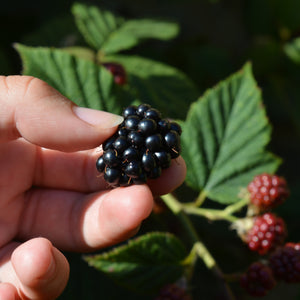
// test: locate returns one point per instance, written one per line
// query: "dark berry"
(175, 151)
(163, 126)
(176, 127)
(268, 232)
(130, 154)
(129, 111)
(112, 175)
(141, 179)
(122, 131)
(136, 138)
(111, 158)
(148, 161)
(125, 180)
(154, 173)
(285, 263)
(152, 113)
(154, 142)
(172, 139)
(163, 159)
(147, 126)
(133, 169)
(132, 122)
(141, 109)
(117, 71)
(120, 144)
(108, 144)
(268, 191)
(100, 164)
(142, 146)
(258, 280)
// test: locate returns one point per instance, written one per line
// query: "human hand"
(50, 195)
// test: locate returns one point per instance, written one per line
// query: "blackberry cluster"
(173, 292)
(258, 280)
(285, 263)
(268, 191)
(268, 231)
(143, 145)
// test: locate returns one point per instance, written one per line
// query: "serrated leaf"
(145, 263)
(224, 138)
(80, 80)
(162, 86)
(292, 50)
(109, 33)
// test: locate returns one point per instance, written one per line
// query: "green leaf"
(292, 50)
(110, 34)
(145, 263)
(80, 80)
(162, 86)
(224, 138)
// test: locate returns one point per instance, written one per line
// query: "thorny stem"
(198, 247)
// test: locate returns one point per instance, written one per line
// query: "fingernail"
(97, 117)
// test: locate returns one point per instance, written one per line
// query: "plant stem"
(200, 199)
(198, 247)
(217, 214)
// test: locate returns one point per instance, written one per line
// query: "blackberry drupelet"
(143, 145)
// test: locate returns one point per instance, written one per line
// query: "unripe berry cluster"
(283, 264)
(143, 145)
(268, 232)
(267, 191)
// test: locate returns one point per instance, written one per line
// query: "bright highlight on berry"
(143, 145)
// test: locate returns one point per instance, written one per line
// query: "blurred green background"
(216, 39)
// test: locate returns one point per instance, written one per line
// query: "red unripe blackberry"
(118, 71)
(285, 263)
(173, 292)
(258, 280)
(267, 232)
(268, 191)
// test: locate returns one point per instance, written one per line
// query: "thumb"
(32, 109)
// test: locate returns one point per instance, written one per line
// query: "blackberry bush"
(258, 280)
(142, 147)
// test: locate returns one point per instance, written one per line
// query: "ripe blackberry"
(143, 145)
(268, 191)
(258, 280)
(118, 71)
(285, 263)
(173, 292)
(267, 232)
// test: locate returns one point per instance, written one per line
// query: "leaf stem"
(198, 247)
(200, 199)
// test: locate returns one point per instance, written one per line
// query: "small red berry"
(268, 191)
(173, 292)
(285, 263)
(117, 71)
(267, 232)
(257, 280)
